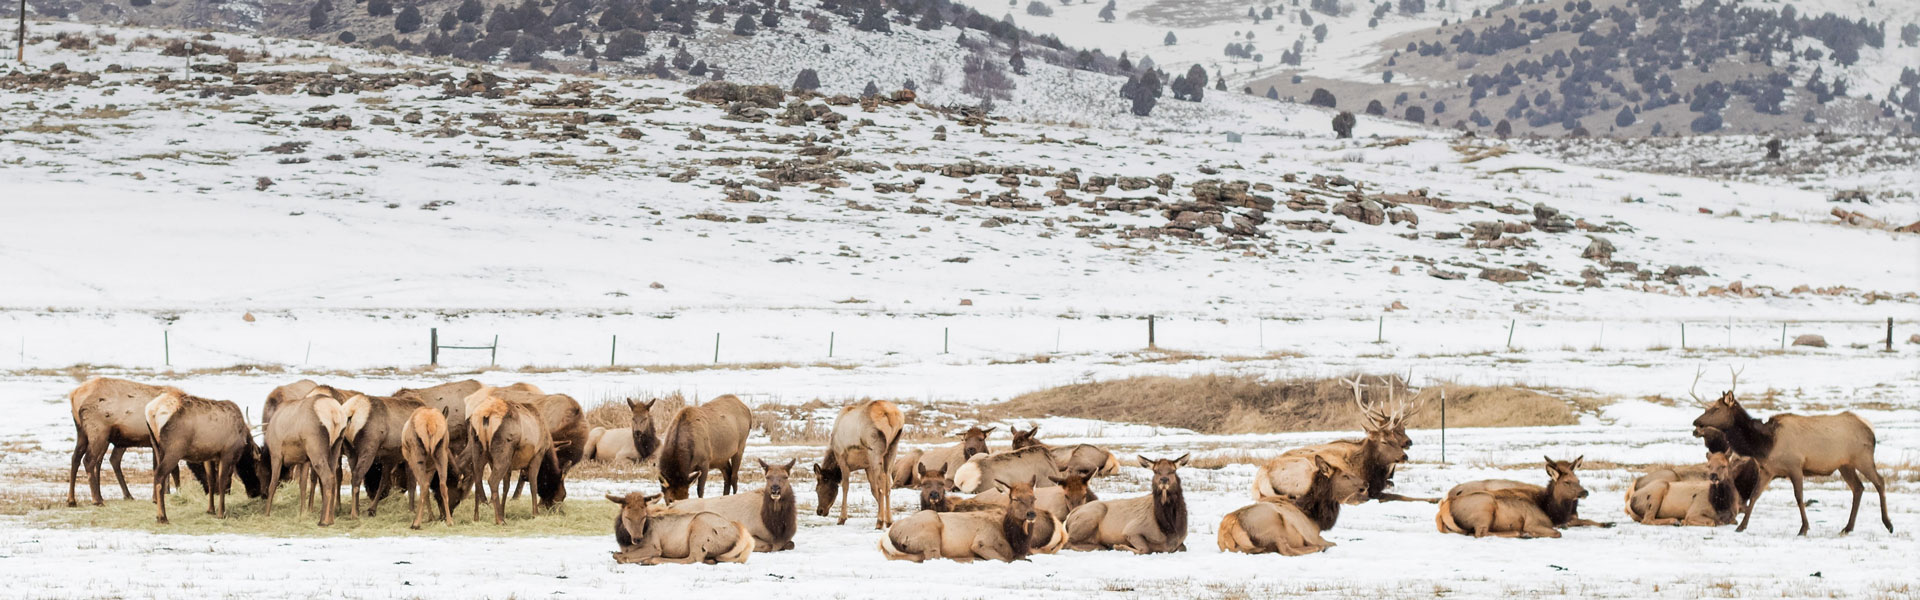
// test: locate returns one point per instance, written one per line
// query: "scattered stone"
(1439, 273)
(1504, 275)
(1811, 340)
(262, 184)
(1364, 211)
(1599, 250)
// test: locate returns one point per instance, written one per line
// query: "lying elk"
(1742, 470)
(702, 438)
(653, 536)
(865, 437)
(510, 438)
(424, 446)
(1373, 457)
(1153, 523)
(978, 474)
(197, 430)
(1795, 446)
(1515, 511)
(307, 432)
(1291, 527)
(374, 437)
(947, 459)
(108, 413)
(1077, 459)
(1004, 534)
(1055, 502)
(636, 442)
(769, 514)
(1709, 503)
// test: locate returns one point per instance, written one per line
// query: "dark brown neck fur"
(1170, 511)
(1560, 512)
(780, 517)
(1377, 472)
(1019, 535)
(1749, 436)
(1318, 502)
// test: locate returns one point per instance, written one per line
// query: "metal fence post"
(493, 353)
(613, 354)
(433, 346)
(1150, 340)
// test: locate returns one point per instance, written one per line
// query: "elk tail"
(1263, 484)
(1059, 537)
(1629, 502)
(889, 550)
(159, 410)
(1444, 518)
(742, 547)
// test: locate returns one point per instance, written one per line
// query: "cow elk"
(1794, 447)
(374, 438)
(510, 437)
(865, 437)
(769, 514)
(652, 536)
(1004, 534)
(1156, 522)
(307, 432)
(425, 447)
(702, 438)
(978, 473)
(1709, 503)
(201, 431)
(947, 459)
(108, 413)
(1523, 512)
(1084, 460)
(1292, 526)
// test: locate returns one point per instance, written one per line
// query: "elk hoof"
(71, 504)
(415, 527)
(162, 520)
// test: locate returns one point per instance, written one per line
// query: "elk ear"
(650, 403)
(989, 430)
(653, 498)
(920, 469)
(1144, 461)
(616, 499)
(1001, 485)
(1056, 479)
(1182, 461)
(1576, 462)
(817, 470)
(790, 463)
(631, 405)
(763, 464)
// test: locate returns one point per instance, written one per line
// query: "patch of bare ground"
(1231, 404)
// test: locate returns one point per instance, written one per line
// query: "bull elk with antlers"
(1795, 446)
(1291, 474)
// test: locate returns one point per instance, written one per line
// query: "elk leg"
(328, 482)
(733, 474)
(533, 479)
(419, 501)
(118, 452)
(1655, 498)
(1853, 484)
(1799, 496)
(303, 475)
(1879, 487)
(702, 490)
(846, 487)
(499, 496)
(273, 480)
(96, 452)
(440, 477)
(1766, 479)
(159, 487)
(388, 472)
(882, 482)
(73, 472)
(213, 472)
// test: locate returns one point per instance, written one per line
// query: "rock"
(966, 302)
(1914, 339)
(1439, 273)
(1674, 273)
(1404, 215)
(1542, 211)
(1599, 250)
(726, 92)
(262, 184)
(1364, 211)
(1396, 306)
(247, 317)
(1486, 230)
(1504, 275)
(1810, 339)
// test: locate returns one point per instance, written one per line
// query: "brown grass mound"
(1229, 404)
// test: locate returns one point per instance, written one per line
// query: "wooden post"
(830, 336)
(1889, 334)
(493, 352)
(1380, 333)
(20, 55)
(613, 354)
(946, 335)
(1443, 424)
(166, 341)
(1683, 335)
(716, 347)
(433, 346)
(1150, 341)
(1511, 324)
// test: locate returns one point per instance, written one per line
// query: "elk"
(1291, 527)
(1795, 446)
(510, 437)
(1153, 523)
(865, 437)
(450, 398)
(653, 536)
(770, 514)
(424, 446)
(933, 486)
(307, 432)
(566, 427)
(1004, 534)
(1524, 512)
(1373, 457)
(374, 434)
(198, 430)
(1068, 492)
(636, 442)
(705, 437)
(1709, 503)
(107, 413)
(1077, 459)
(946, 458)
(978, 473)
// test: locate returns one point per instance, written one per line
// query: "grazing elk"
(1373, 457)
(865, 437)
(1795, 446)
(769, 514)
(566, 426)
(510, 437)
(978, 473)
(702, 438)
(374, 438)
(425, 447)
(1085, 460)
(198, 430)
(307, 432)
(1005, 534)
(451, 399)
(1153, 523)
(945, 458)
(1709, 503)
(1291, 527)
(652, 536)
(1523, 512)
(107, 413)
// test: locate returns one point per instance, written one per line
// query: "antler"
(1697, 372)
(1735, 384)
(1370, 412)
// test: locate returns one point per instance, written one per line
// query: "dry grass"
(1475, 153)
(586, 514)
(1230, 404)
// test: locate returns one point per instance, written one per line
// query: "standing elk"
(702, 438)
(510, 437)
(566, 426)
(1515, 511)
(1709, 503)
(1156, 522)
(197, 430)
(947, 459)
(107, 413)
(374, 439)
(307, 432)
(1291, 527)
(1004, 534)
(1795, 446)
(1373, 457)
(865, 437)
(769, 514)
(653, 536)
(424, 445)
(451, 399)
(1084, 460)
(978, 473)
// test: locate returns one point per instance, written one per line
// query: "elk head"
(933, 486)
(1724, 414)
(1074, 487)
(1020, 502)
(1028, 438)
(1386, 423)
(778, 478)
(1565, 486)
(826, 487)
(645, 439)
(1719, 467)
(1166, 476)
(974, 441)
(632, 522)
(1346, 486)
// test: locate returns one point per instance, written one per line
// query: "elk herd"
(443, 444)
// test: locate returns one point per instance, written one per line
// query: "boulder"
(1599, 250)
(1504, 275)
(1364, 211)
(1810, 339)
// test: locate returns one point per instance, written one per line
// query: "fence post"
(830, 336)
(1443, 424)
(166, 346)
(716, 347)
(1150, 341)
(1263, 333)
(1889, 335)
(1380, 333)
(493, 353)
(433, 345)
(1783, 335)
(946, 336)
(1683, 335)
(1511, 324)
(613, 352)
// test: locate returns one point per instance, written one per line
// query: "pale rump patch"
(429, 426)
(886, 416)
(486, 416)
(358, 410)
(332, 416)
(162, 408)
